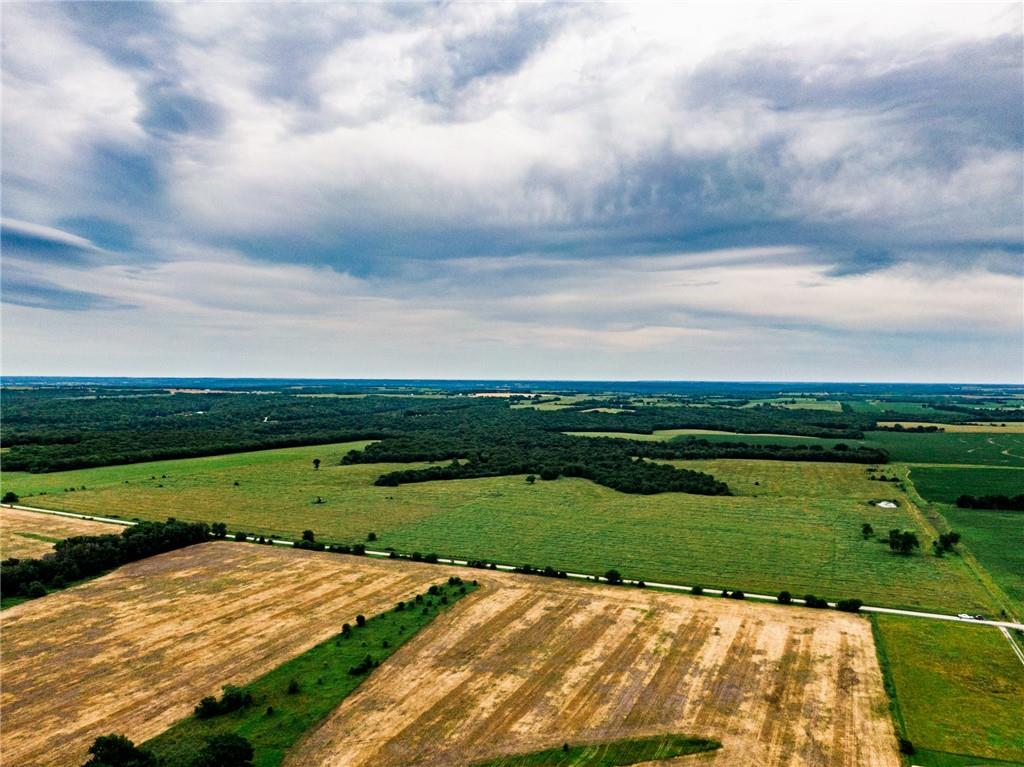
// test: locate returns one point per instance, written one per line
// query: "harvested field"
(134, 651)
(524, 665)
(31, 534)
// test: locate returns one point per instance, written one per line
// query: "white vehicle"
(965, 617)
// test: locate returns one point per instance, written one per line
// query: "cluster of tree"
(816, 602)
(365, 666)
(910, 429)
(992, 502)
(545, 572)
(87, 555)
(232, 699)
(903, 541)
(693, 448)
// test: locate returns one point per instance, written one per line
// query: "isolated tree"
(360, 620)
(613, 576)
(316, 464)
(225, 750)
(530, 479)
(118, 751)
(867, 530)
(309, 536)
(219, 530)
(10, 497)
(371, 536)
(785, 598)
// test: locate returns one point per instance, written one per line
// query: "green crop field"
(944, 484)
(996, 538)
(960, 690)
(797, 529)
(946, 447)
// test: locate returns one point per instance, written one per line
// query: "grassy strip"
(610, 754)
(887, 680)
(281, 712)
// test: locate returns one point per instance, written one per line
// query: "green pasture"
(959, 689)
(791, 525)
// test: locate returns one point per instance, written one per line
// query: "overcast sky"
(821, 191)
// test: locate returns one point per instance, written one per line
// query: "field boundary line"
(1016, 648)
(675, 587)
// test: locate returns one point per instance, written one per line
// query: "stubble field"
(30, 534)
(134, 651)
(525, 665)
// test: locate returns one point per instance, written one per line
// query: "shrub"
(613, 576)
(697, 590)
(118, 751)
(784, 598)
(293, 687)
(737, 595)
(35, 589)
(241, 537)
(225, 750)
(371, 536)
(816, 602)
(849, 605)
(906, 747)
(360, 620)
(10, 497)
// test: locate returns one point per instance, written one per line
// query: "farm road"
(597, 578)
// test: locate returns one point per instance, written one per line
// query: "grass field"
(799, 529)
(944, 484)
(529, 664)
(27, 534)
(277, 717)
(959, 687)
(616, 753)
(663, 435)
(134, 651)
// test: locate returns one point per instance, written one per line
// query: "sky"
(722, 191)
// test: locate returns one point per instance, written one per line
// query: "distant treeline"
(997, 502)
(87, 555)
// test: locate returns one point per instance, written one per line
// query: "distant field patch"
(993, 427)
(616, 753)
(134, 651)
(798, 530)
(31, 534)
(714, 435)
(529, 664)
(960, 688)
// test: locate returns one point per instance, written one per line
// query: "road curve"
(598, 579)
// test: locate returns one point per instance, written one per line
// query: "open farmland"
(134, 651)
(996, 538)
(798, 529)
(960, 690)
(525, 665)
(30, 534)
